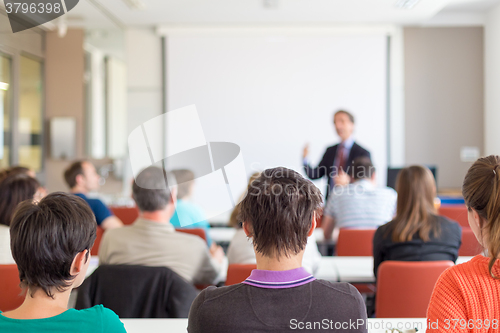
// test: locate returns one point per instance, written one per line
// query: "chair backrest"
(95, 249)
(237, 273)
(127, 214)
(10, 292)
(455, 212)
(194, 231)
(404, 288)
(137, 291)
(470, 246)
(355, 242)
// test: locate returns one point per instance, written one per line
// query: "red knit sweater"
(466, 299)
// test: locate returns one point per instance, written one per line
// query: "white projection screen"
(272, 94)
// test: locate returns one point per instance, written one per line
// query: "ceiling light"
(406, 4)
(135, 4)
(4, 86)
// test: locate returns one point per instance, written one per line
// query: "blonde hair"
(481, 191)
(233, 219)
(415, 211)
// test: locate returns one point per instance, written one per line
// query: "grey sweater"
(318, 306)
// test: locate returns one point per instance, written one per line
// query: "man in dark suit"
(337, 161)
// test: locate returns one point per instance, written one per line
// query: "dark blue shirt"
(100, 210)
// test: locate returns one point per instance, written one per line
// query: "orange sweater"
(466, 299)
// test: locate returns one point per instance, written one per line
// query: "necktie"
(341, 157)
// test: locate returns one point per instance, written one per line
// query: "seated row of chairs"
(359, 242)
(404, 288)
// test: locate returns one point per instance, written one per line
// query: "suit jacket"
(137, 292)
(326, 166)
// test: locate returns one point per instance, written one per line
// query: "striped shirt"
(361, 205)
(279, 279)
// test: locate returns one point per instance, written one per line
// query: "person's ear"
(313, 225)
(79, 179)
(79, 262)
(247, 228)
(476, 220)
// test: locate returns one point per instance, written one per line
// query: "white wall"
(270, 94)
(492, 82)
(144, 83)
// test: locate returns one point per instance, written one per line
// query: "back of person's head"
(70, 174)
(14, 189)
(184, 178)
(233, 219)
(279, 208)
(151, 189)
(481, 191)
(45, 238)
(415, 211)
(348, 114)
(362, 168)
(16, 170)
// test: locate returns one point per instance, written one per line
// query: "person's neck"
(282, 263)
(41, 306)
(79, 189)
(160, 216)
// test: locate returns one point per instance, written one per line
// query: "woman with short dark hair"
(51, 242)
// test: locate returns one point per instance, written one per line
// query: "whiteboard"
(271, 94)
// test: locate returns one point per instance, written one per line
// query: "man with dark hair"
(279, 213)
(359, 205)
(82, 178)
(338, 159)
(50, 243)
(152, 241)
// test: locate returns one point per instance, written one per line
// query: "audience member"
(152, 240)
(50, 243)
(416, 233)
(466, 297)
(14, 188)
(240, 250)
(360, 205)
(82, 178)
(279, 213)
(188, 214)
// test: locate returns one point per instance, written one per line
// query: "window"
(5, 109)
(30, 122)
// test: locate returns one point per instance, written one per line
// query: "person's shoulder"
(450, 224)
(213, 294)
(100, 314)
(192, 241)
(340, 291)
(389, 191)
(360, 149)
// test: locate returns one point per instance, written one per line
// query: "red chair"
(237, 273)
(470, 246)
(404, 288)
(127, 214)
(95, 249)
(355, 242)
(455, 212)
(194, 231)
(11, 295)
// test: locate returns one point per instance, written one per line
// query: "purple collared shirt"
(279, 279)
